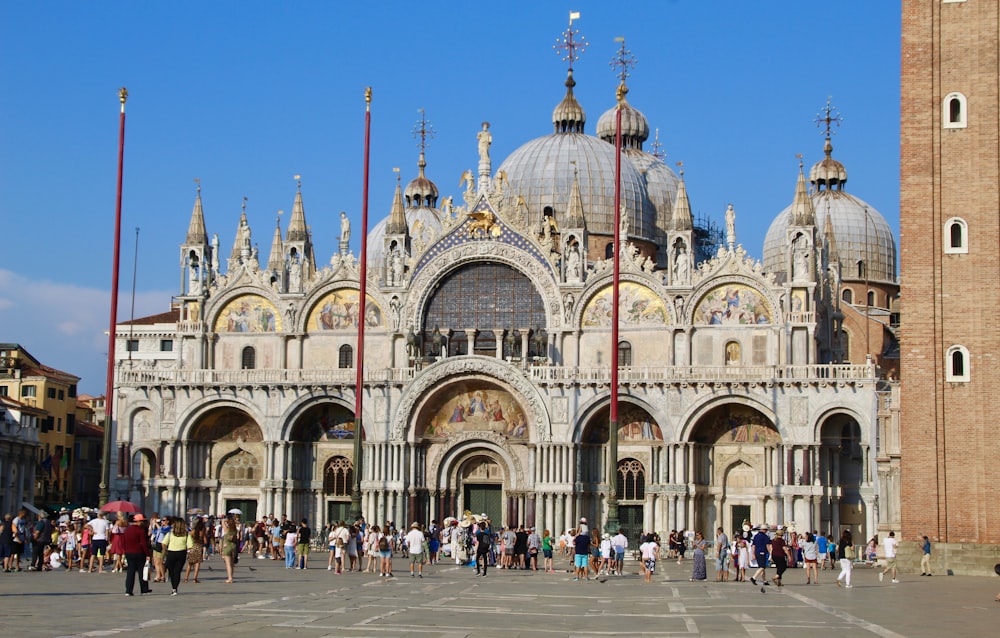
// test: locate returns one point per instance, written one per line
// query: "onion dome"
(828, 172)
(635, 126)
(542, 173)
(417, 206)
(421, 191)
(863, 236)
(661, 182)
(568, 116)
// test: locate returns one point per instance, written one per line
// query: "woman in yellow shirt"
(175, 547)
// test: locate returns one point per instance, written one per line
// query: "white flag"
(573, 15)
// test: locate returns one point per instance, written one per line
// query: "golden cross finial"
(623, 62)
(828, 117)
(569, 46)
(657, 147)
(423, 130)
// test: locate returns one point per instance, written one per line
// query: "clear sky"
(245, 95)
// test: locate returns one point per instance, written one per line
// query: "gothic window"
(847, 295)
(955, 111)
(248, 359)
(338, 476)
(624, 353)
(957, 365)
(484, 297)
(631, 480)
(956, 236)
(346, 359)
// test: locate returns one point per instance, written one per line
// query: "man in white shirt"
(415, 543)
(619, 542)
(890, 557)
(98, 541)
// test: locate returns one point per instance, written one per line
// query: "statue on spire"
(731, 227)
(485, 168)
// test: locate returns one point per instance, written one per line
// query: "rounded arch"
(446, 467)
(189, 420)
(338, 476)
(487, 368)
(597, 410)
(470, 404)
(598, 287)
(334, 307)
(736, 300)
(694, 419)
(262, 305)
(239, 466)
(140, 419)
(143, 464)
(954, 110)
(831, 411)
(542, 277)
(302, 407)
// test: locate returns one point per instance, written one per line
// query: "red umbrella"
(121, 506)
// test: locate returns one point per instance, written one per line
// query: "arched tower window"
(957, 365)
(631, 480)
(871, 298)
(484, 297)
(847, 295)
(956, 236)
(609, 250)
(248, 359)
(624, 353)
(954, 111)
(338, 476)
(346, 358)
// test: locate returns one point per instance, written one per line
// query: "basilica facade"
(748, 389)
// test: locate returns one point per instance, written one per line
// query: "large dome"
(862, 235)
(542, 171)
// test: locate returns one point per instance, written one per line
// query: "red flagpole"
(612, 526)
(362, 299)
(109, 388)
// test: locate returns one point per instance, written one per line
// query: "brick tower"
(950, 266)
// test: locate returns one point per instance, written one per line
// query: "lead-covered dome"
(541, 172)
(862, 235)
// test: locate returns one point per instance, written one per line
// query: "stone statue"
(622, 223)
(681, 265)
(573, 264)
(245, 244)
(446, 206)
(394, 312)
(194, 280)
(396, 266)
(802, 265)
(295, 276)
(730, 225)
(345, 228)
(485, 140)
(568, 307)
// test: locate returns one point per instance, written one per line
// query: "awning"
(31, 508)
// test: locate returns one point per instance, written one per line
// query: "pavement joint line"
(757, 631)
(843, 615)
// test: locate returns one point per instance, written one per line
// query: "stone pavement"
(451, 601)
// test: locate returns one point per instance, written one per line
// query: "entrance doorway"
(486, 499)
(739, 514)
(338, 511)
(631, 522)
(246, 506)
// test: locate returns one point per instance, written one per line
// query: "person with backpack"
(385, 554)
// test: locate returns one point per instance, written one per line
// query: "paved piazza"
(450, 601)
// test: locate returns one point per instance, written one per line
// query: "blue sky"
(244, 95)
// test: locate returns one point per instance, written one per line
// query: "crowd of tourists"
(173, 548)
